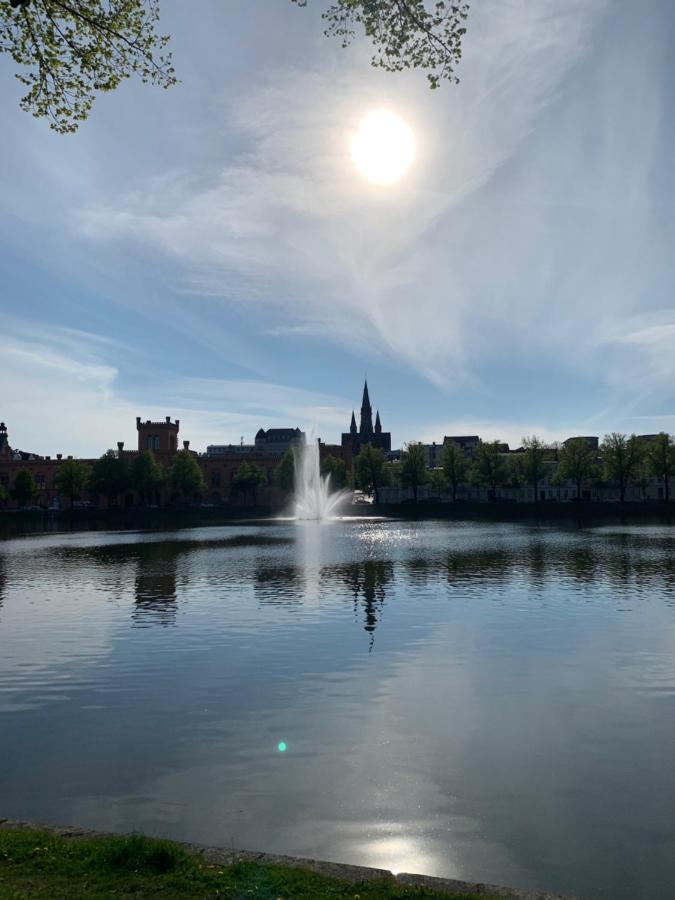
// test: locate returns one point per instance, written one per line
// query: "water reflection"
(155, 585)
(367, 582)
(516, 722)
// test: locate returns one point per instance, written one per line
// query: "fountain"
(313, 496)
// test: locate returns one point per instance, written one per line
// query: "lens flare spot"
(281, 746)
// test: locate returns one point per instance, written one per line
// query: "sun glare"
(383, 148)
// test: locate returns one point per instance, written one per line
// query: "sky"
(209, 252)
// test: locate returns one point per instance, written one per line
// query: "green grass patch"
(40, 865)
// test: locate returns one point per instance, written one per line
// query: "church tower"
(366, 429)
(354, 440)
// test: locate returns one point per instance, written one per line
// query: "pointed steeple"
(366, 429)
(352, 427)
(378, 424)
(366, 399)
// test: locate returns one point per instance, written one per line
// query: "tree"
(109, 475)
(405, 33)
(71, 479)
(68, 50)
(146, 475)
(336, 469)
(248, 478)
(661, 456)
(454, 466)
(284, 474)
(438, 481)
(489, 469)
(577, 463)
(621, 458)
(24, 487)
(533, 463)
(369, 470)
(185, 475)
(413, 467)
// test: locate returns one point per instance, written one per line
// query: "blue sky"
(209, 252)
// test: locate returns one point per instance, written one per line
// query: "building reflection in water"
(3, 579)
(367, 582)
(155, 585)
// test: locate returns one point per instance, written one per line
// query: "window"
(215, 479)
(40, 480)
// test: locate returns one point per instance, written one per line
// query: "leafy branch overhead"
(74, 48)
(407, 34)
(71, 49)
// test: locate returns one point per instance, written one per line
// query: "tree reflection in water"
(155, 585)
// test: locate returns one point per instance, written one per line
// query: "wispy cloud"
(287, 224)
(83, 409)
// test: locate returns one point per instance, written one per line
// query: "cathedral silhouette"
(367, 433)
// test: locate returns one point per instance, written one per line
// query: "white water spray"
(313, 496)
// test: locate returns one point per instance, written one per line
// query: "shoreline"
(581, 515)
(226, 856)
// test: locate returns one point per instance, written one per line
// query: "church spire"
(366, 399)
(378, 424)
(352, 427)
(366, 429)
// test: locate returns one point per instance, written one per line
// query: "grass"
(40, 865)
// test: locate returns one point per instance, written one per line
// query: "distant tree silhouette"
(24, 488)
(454, 466)
(621, 457)
(661, 456)
(413, 468)
(71, 479)
(369, 468)
(146, 475)
(577, 463)
(109, 475)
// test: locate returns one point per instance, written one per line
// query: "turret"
(352, 427)
(378, 424)
(4, 441)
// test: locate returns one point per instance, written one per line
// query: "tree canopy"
(248, 478)
(146, 474)
(69, 50)
(413, 468)
(109, 475)
(489, 468)
(284, 474)
(71, 478)
(336, 469)
(185, 475)
(24, 487)
(454, 466)
(621, 458)
(577, 462)
(370, 471)
(661, 457)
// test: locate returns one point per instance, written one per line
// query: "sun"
(383, 148)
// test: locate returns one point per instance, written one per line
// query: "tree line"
(622, 460)
(112, 475)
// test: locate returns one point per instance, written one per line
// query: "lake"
(481, 701)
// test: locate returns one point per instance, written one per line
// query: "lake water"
(481, 701)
